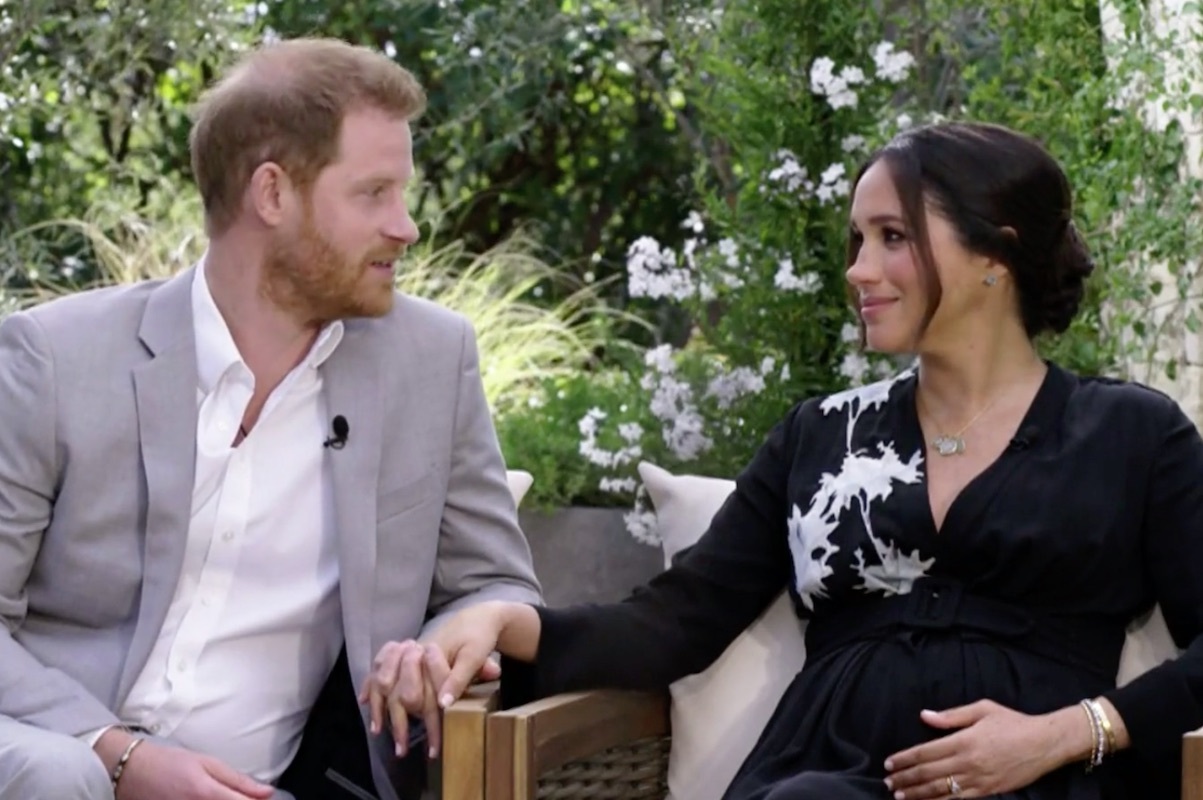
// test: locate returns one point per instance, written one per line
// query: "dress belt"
(1090, 643)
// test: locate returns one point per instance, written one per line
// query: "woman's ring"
(954, 788)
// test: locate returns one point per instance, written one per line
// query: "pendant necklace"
(954, 444)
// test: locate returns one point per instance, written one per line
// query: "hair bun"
(1069, 268)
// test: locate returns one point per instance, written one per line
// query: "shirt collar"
(216, 352)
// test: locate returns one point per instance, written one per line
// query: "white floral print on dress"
(864, 477)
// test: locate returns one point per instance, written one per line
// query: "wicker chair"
(606, 745)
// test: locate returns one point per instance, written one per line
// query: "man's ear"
(272, 194)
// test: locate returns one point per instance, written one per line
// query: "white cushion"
(520, 483)
(718, 715)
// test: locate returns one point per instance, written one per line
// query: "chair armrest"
(1192, 765)
(463, 757)
(529, 740)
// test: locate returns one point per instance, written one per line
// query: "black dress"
(1091, 515)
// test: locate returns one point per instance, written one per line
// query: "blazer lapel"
(351, 388)
(165, 392)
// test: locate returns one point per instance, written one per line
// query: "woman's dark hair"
(985, 179)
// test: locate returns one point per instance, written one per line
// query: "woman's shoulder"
(838, 409)
(1124, 402)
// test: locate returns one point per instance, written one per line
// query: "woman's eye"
(892, 235)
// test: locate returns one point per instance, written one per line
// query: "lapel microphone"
(341, 429)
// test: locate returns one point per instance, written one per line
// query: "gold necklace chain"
(954, 444)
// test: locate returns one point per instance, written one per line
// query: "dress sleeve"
(684, 618)
(1166, 702)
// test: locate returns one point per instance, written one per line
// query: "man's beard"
(309, 277)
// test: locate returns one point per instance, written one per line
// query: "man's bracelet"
(121, 762)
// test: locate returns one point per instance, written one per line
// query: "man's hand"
(401, 685)
(154, 772)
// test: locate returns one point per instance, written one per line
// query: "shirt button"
(181, 666)
(155, 728)
(228, 535)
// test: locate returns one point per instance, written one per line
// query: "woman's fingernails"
(889, 765)
(446, 701)
(400, 750)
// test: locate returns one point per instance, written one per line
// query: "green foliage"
(785, 106)
(548, 116)
(93, 100)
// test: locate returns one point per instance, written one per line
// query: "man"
(223, 492)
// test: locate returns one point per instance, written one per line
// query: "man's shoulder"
(421, 323)
(107, 303)
(93, 312)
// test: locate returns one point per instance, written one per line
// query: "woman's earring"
(990, 280)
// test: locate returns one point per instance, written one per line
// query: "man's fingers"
(399, 722)
(380, 683)
(433, 720)
(411, 680)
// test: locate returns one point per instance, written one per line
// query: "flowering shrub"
(784, 107)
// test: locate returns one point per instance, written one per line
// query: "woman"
(969, 539)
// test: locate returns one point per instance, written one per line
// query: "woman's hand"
(458, 650)
(995, 750)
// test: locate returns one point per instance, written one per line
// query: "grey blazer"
(98, 415)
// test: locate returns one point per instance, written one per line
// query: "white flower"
(661, 359)
(767, 365)
(849, 333)
(852, 143)
(728, 387)
(836, 88)
(642, 526)
(843, 98)
(905, 121)
(822, 73)
(789, 175)
(693, 222)
(855, 367)
(652, 271)
(785, 373)
(852, 76)
(588, 447)
(617, 485)
(891, 65)
(833, 183)
(630, 432)
(786, 280)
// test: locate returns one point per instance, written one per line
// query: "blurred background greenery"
(640, 203)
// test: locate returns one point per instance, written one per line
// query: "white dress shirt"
(255, 624)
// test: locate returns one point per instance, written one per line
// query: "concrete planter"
(586, 555)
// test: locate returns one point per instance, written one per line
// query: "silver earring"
(990, 280)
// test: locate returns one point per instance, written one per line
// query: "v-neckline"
(1039, 417)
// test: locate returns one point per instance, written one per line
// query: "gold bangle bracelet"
(1105, 721)
(121, 762)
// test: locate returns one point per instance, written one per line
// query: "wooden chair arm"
(462, 770)
(527, 741)
(1192, 765)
